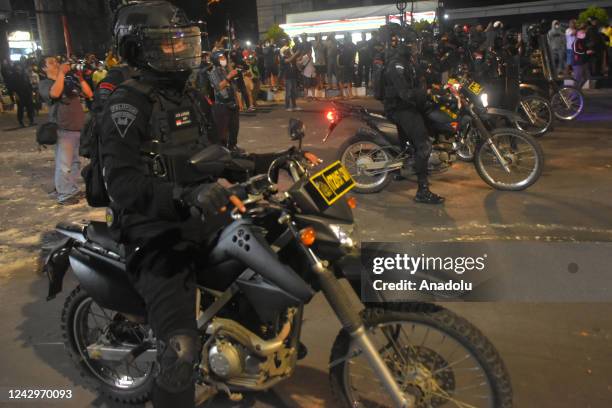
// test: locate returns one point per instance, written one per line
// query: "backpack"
(378, 81)
(92, 173)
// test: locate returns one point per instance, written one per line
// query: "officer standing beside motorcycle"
(151, 125)
(404, 104)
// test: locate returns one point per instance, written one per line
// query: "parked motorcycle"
(8, 103)
(505, 158)
(280, 249)
(567, 102)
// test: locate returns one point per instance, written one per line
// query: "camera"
(72, 84)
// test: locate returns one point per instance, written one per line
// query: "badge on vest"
(123, 115)
(182, 118)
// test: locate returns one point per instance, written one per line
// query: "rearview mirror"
(297, 129)
(213, 153)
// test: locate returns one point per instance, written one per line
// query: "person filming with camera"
(62, 91)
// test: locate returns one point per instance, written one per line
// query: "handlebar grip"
(237, 203)
(311, 157)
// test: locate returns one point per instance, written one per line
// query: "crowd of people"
(298, 63)
(582, 49)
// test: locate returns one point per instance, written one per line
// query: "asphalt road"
(559, 355)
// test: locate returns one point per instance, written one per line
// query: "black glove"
(206, 200)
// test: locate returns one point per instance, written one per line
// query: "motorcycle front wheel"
(84, 322)
(509, 160)
(359, 154)
(537, 115)
(568, 103)
(435, 355)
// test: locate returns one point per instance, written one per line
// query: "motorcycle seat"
(388, 128)
(99, 233)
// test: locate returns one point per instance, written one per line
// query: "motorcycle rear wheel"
(363, 147)
(430, 351)
(98, 376)
(522, 153)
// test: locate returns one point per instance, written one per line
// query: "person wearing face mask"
(556, 41)
(225, 108)
(582, 55)
(570, 38)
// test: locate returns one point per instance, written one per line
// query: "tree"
(275, 33)
(594, 12)
(420, 26)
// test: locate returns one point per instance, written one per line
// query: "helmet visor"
(172, 49)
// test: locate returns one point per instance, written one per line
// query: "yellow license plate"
(332, 182)
(475, 88)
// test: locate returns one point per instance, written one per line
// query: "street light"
(248, 43)
(446, 16)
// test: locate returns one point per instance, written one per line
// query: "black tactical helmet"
(157, 35)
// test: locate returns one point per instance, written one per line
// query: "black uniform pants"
(166, 282)
(26, 103)
(411, 128)
(227, 123)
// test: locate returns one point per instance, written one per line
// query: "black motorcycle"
(505, 158)
(280, 249)
(537, 79)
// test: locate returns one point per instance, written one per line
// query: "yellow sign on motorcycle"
(332, 182)
(475, 88)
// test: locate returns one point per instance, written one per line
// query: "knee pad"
(177, 357)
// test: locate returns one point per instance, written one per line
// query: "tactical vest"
(392, 99)
(177, 130)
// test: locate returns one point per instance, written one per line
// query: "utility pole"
(402, 6)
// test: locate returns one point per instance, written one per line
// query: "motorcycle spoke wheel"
(92, 324)
(426, 362)
(536, 114)
(568, 103)
(522, 161)
(467, 147)
(357, 157)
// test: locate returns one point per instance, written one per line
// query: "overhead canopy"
(533, 7)
(354, 19)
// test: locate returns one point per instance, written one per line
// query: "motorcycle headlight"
(345, 234)
(484, 98)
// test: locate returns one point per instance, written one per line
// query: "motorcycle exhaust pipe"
(109, 353)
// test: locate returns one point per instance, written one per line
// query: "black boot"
(425, 196)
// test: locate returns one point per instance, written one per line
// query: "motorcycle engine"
(228, 360)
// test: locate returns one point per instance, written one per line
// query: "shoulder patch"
(123, 115)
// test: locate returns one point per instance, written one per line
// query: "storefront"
(354, 20)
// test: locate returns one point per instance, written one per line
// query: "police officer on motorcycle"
(151, 126)
(404, 104)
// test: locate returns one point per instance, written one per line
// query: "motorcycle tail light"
(331, 116)
(308, 236)
(352, 202)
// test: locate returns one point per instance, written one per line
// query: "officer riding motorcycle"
(404, 103)
(150, 128)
